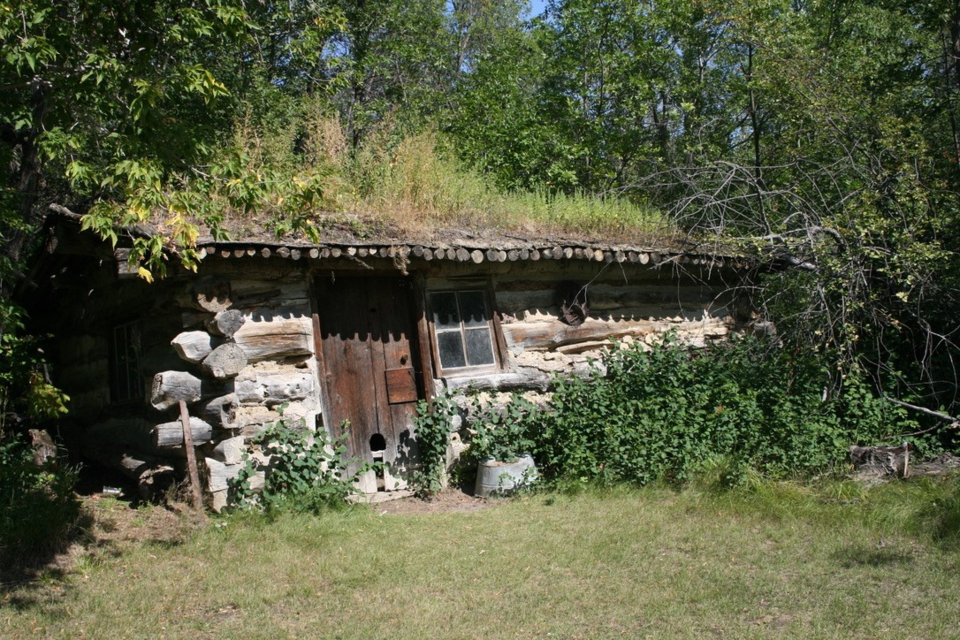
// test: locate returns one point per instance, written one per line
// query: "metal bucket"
(501, 478)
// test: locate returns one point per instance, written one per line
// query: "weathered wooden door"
(371, 370)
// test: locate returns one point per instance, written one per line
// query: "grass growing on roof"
(416, 182)
(771, 558)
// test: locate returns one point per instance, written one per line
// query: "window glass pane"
(445, 314)
(479, 347)
(473, 306)
(451, 349)
(125, 369)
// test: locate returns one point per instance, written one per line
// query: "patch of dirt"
(447, 501)
(119, 524)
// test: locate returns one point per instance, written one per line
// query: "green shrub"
(668, 412)
(38, 508)
(307, 471)
(501, 432)
(432, 428)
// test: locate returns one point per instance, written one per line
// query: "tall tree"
(101, 97)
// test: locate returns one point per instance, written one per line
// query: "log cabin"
(349, 331)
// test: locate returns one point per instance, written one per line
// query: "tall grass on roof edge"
(416, 183)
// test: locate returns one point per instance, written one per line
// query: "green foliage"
(306, 473)
(25, 390)
(432, 428)
(668, 413)
(502, 432)
(38, 508)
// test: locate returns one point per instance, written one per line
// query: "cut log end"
(212, 295)
(170, 387)
(226, 323)
(226, 361)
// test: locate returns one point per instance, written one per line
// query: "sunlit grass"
(416, 183)
(777, 559)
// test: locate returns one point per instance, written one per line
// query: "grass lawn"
(781, 560)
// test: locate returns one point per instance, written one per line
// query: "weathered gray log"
(274, 387)
(275, 338)
(121, 433)
(170, 387)
(526, 379)
(193, 346)
(226, 323)
(583, 347)
(220, 412)
(477, 256)
(226, 361)
(550, 335)
(881, 461)
(170, 434)
(150, 473)
(212, 294)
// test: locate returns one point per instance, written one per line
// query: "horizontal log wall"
(269, 322)
(631, 303)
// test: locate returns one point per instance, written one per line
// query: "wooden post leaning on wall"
(191, 457)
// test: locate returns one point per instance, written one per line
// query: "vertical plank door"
(370, 367)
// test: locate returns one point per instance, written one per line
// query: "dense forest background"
(822, 134)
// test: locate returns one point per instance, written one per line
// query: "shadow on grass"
(27, 573)
(45, 534)
(871, 556)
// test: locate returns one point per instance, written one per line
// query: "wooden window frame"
(126, 369)
(493, 328)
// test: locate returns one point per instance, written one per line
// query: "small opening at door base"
(378, 444)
